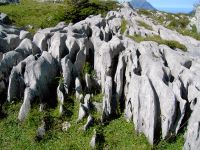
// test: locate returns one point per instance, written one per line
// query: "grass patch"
(87, 68)
(16, 135)
(145, 12)
(192, 33)
(143, 24)
(157, 39)
(118, 134)
(123, 26)
(38, 15)
(98, 97)
(177, 22)
(43, 15)
(176, 144)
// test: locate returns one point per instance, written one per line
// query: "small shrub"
(143, 24)
(180, 23)
(98, 97)
(87, 68)
(192, 33)
(123, 26)
(144, 12)
(80, 9)
(172, 44)
(43, 15)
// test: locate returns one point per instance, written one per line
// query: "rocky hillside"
(144, 71)
(141, 4)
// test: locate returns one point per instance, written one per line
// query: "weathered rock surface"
(197, 15)
(41, 131)
(38, 77)
(155, 86)
(192, 136)
(4, 18)
(65, 126)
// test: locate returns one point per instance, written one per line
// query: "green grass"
(145, 12)
(98, 97)
(172, 44)
(192, 33)
(123, 26)
(180, 24)
(176, 144)
(121, 135)
(143, 24)
(16, 135)
(87, 68)
(39, 15)
(43, 15)
(117, 134)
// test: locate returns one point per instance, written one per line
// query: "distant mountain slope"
(8, 1)
(142, 4)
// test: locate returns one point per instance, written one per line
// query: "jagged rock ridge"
(155, 86)
(142, 4)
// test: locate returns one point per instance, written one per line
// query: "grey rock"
(87, 101)
(9, 43)
(1, 56)
(197, 15)
(68, 72)
(80, 61)
(12, 58)
(83, 111)
(88, 81)
(9, 29)
(73, 47)
(159, 86)
(40, 40)
(78, 89)
(4, 18)
(192, 139)
(61, 96)
(16, 80)
(107, 99)
(93, 142)
(24, 35)
(156, 73)
(142, 102)
(65, 126)
(89, 122)
(98, 106)
(41, 131)
(37, 81)
(119, 77)
(58, 48)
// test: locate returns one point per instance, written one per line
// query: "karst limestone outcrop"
(197, 16)
(156, 88)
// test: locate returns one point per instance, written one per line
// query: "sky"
(173, 3)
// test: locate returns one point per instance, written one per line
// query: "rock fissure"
(156, 87)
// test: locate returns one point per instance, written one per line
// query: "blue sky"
(172, 3)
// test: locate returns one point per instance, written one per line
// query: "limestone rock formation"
(4, 18)
(38, 82)
(156, 87)
(197, 15)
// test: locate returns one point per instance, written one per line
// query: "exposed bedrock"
(38, 77)
(156, 88)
